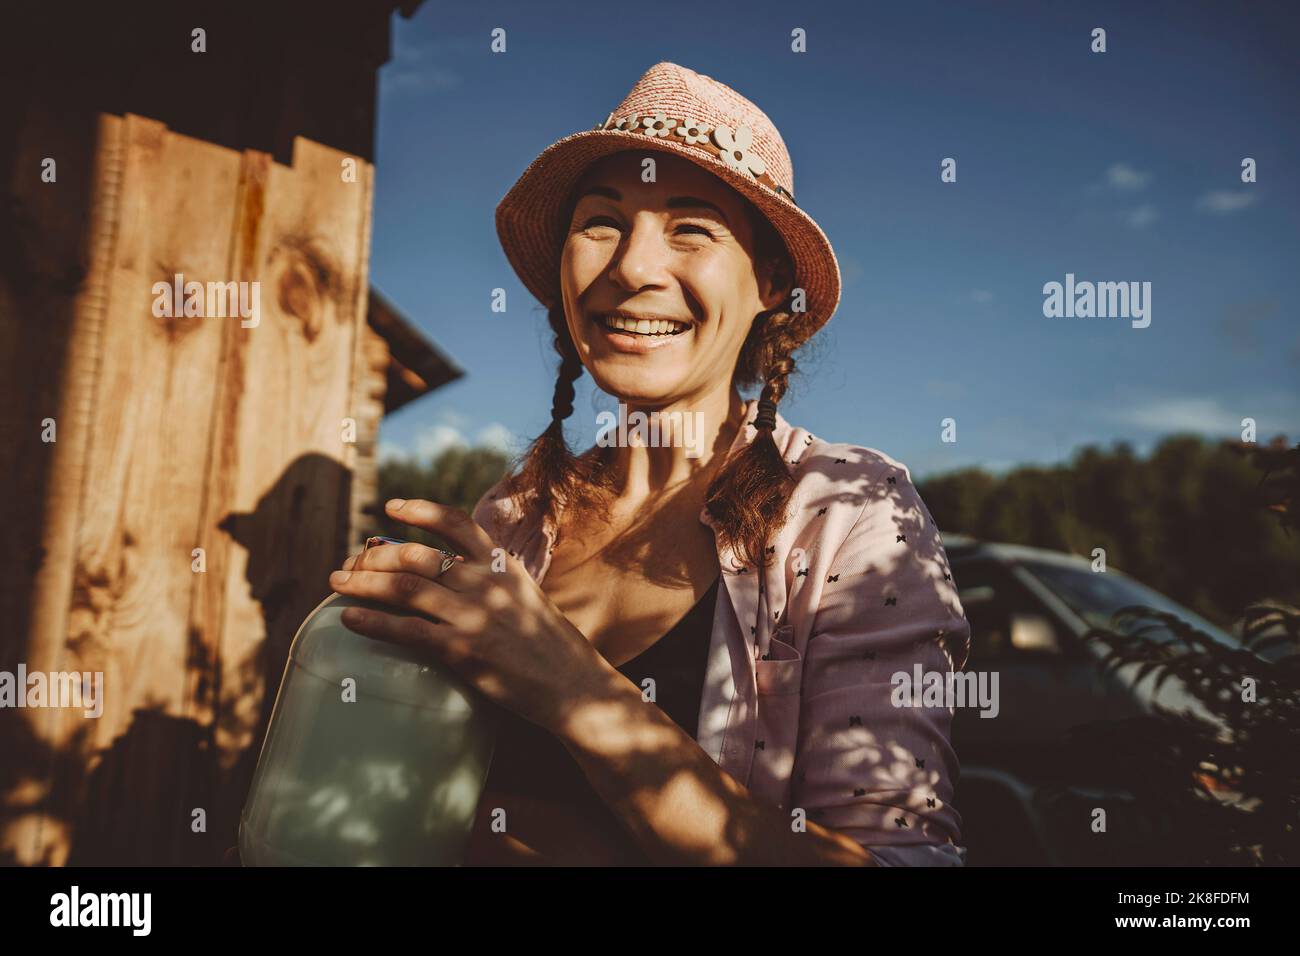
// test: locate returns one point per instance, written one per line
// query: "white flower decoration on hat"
(693, 131)
(658, 125)
(628, 124)
(736, 150)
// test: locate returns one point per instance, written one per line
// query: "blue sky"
(1121, 166)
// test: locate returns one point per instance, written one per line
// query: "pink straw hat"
(671, 109)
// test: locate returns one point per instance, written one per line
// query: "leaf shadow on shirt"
(894, 562)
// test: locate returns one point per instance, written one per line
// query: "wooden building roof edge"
(410, 349)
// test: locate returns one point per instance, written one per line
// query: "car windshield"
(1096, 597)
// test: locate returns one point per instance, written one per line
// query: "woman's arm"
(505, 637)
(681, 806)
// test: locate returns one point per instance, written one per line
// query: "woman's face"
(670, 261)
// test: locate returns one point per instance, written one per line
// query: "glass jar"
(375, 755)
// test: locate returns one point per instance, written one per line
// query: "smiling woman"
(694, 650)
(726, 321)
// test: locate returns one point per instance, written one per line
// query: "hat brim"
(530, 221)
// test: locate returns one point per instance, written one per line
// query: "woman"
(696, 639)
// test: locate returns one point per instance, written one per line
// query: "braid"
(749, 494)
(778, 377)
(570, 371)
(550, 472)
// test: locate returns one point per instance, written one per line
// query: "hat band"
(732, 147)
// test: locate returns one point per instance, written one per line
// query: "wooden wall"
(172, 434)
(375, 362)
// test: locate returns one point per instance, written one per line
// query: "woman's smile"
(638, 333)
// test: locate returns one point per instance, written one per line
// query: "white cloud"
(389, 451)
(1222, 201)
(499, 437)
(451, 417)
(1124, 176)
(430, 79)
(415, 66)
(435, 438)
(1181, 414)
(1143, 216)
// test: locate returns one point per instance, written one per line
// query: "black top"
(529, 760)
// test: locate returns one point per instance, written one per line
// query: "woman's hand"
(485, 617)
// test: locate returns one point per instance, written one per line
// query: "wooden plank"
(51, 308)
(217, 531)
(146, 468)
(280, 453)
(372, 380)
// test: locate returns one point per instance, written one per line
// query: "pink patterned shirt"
(797, 703)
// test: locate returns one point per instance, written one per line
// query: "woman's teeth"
(644, 326)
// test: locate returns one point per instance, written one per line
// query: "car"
(1029, 789)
